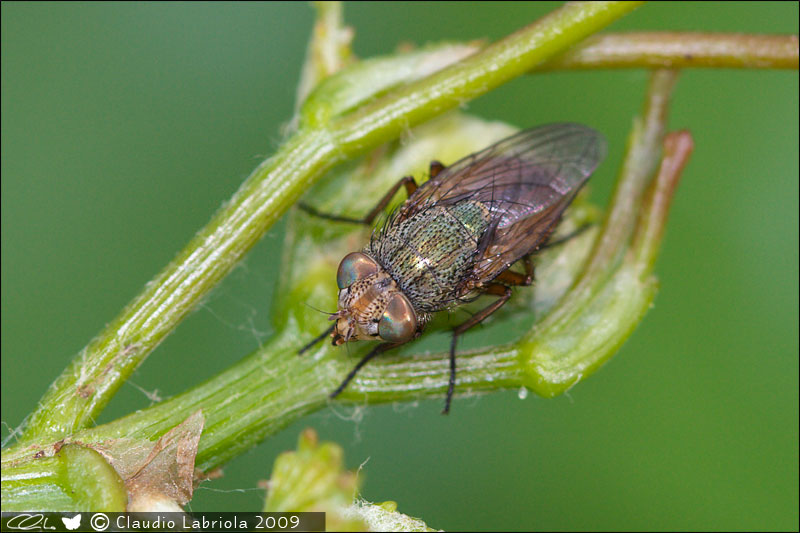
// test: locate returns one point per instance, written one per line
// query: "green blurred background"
(124, 126)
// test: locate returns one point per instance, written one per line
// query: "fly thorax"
(432, 253)
(362, 305)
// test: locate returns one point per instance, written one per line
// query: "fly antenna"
(319, 310)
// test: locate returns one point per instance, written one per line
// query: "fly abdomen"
(430, 254)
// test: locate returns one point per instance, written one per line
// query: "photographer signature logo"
(28, 522)
(72, 523)
(40, 522)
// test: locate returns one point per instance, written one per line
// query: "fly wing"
(524, 182)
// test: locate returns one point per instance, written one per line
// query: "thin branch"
(678, 146)
(679, 50)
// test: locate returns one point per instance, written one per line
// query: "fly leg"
(407, 182)
(316, 339)
(507, 277)
(379, 349)
(435, 168)
(495, 289)
(565, 238)
(515, 278)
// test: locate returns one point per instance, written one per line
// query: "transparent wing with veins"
(525, 182)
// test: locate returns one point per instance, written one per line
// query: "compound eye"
(399, 321)
(355, 266)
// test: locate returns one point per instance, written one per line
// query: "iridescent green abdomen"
(429, 253)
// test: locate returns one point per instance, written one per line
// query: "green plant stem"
(273, 387)
(88, 383)
(254, 398)
(678, 50)
(35, 481)
(479, 73)
(75, 475)
(328, 49)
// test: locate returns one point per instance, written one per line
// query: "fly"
(456, 237)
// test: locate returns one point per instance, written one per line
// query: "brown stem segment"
(679, 50)
(678, 146)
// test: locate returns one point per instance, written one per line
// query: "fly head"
(371, 306)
